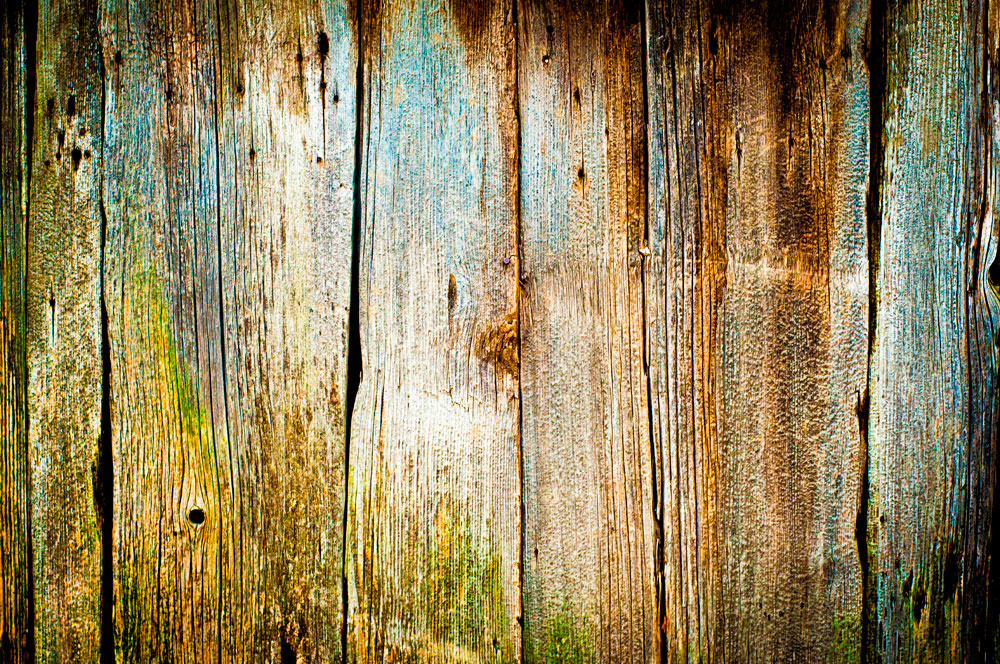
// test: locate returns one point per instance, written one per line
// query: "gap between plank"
(876, 90)
(105, 502)
(354, 363)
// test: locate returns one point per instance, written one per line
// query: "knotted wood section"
(499, 331)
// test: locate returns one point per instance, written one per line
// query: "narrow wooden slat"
(433, 522)
(758, 310)
(590, 527)
(15, 545)
(229, 169)
(64, 335)
(933, 377)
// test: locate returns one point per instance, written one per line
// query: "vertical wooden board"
(433, 521)
(933, 377)
(287, 135)
(64, 335)
(591, 536)
(229, 169)
(757, 310)
(16, 35)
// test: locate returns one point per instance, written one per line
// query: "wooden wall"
(537, 330)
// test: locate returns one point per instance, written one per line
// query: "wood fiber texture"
(64, 335)
(590, 533)
(932, 445)
(758, 321)
(499, 331)
(16, 574)
(229, 191)
(433, 517)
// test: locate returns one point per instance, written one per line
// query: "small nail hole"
(196, 516)
(76, 154)
(324, 44)
(336, 99)
(71, 106)
(118, 57)
(580, 173)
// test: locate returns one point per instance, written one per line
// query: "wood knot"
(500, 344)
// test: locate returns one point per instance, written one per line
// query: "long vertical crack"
(105, 500)
(518, 260)
(876, 91)
(647, 354)
(354, 363)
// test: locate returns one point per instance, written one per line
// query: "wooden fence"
(480, 331)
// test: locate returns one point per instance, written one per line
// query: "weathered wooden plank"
(64, 335)
(16, 42)
(433, 522)
(228, 178)
(933, 378)
(757, 310)
(590, 527)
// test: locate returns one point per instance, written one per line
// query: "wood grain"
(590, 529)
(16, 635)
(228, 179)
(933, 377)
(757, 324)
(433, 522)
(64, 335)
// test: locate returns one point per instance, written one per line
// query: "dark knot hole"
(196, 516)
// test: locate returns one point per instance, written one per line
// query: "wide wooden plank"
(433, 522)
(590, 527)
(933, 378)
(228, 186)
(64, 336)
(758, 310)
(16, 37)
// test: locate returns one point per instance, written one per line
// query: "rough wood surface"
(16, 636)
(675, 325)
(590, 533)
(433, 522)
(933, 376)
(64, 335)
(228, 177)
(758, 324)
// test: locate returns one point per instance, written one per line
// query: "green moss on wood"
(568, 639)
(845, 645)
(463, 584)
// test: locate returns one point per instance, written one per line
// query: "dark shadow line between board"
(519, 294)
(876, 65)
(104, 486)
(354, 361)
(655, 476)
